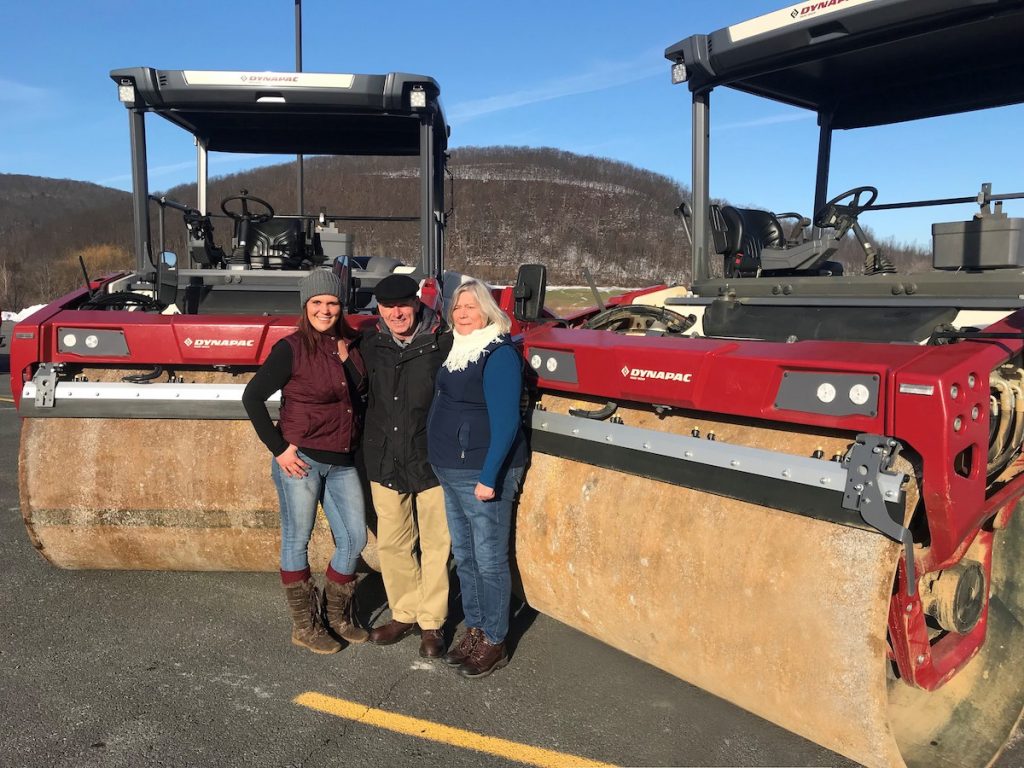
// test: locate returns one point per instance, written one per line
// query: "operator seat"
(763, 229)
(740, 234)
(753, 242)
(280, 244)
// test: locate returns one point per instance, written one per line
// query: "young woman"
(322, 381)
(476, 447)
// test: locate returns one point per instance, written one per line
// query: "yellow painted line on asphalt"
(6, 399)
(445, 734)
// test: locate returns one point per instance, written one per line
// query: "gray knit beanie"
(319, 282)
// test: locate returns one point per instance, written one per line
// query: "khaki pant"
(417, 586)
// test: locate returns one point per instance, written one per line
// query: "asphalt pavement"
(110, 669)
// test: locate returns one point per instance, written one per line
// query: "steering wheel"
(246, 215)
(835, 213)
(640, 319)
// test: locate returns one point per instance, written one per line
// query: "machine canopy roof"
(869, 62)
(291, 112)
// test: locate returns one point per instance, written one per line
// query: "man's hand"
(483, 493)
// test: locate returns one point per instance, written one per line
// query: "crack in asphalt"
(386, 695)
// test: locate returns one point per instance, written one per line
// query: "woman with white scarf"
(477, 449)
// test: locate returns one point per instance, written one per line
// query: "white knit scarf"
(468, 348)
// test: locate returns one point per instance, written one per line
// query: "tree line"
(509, 206)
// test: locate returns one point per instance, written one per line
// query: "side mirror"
(685, 214)
(531, 285)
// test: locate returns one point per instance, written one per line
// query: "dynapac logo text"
(209, 343)
(642, 374)
(270, 78)
(815, 7)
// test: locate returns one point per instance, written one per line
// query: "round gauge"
(826, 392)
(859, 394)
(535, 362)
(91, 341)
(70, 340)
(551, 364)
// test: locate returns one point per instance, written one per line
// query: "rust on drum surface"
(155, 494)
(781, 614)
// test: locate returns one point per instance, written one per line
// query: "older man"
(402, 355)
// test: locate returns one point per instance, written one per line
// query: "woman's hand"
(290, 462)
(342, 350)
(483, 493)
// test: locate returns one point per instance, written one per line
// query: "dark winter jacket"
(401, 388)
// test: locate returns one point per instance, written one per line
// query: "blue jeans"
(340, 492)
(480, 532)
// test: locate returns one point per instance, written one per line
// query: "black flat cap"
(396, 288)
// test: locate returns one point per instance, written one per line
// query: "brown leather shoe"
(484, 659)
(390, 633)
(460, 652)
(431, 643)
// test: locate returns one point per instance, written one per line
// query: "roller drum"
(781, 614)
(155, 494)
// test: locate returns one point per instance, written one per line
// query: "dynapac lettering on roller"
(271, 78)
(813, 7)
(642, 374)
(782, 18)
(209, 343)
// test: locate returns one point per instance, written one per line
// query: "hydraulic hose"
(1003, 415)
(1012, 445)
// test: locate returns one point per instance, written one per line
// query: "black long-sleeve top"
(271, 377)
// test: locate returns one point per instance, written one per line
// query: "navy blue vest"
(458, 428)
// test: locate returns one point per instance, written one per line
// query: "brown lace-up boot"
(308, 629)
(340, 602)
(461, 651)
(484, 659)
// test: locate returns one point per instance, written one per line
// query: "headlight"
(679, 73)
(126, 92)
(94, 342)
(829, 393)
(554, 364)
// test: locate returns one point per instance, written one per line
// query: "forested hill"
(43, 221)
(510, 206)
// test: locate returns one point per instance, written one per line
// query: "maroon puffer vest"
(317, 410)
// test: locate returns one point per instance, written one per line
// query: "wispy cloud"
(23, 107)
(788, 117)
(604, 75)
(19, 94)
(170, 169)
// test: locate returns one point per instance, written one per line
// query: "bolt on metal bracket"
(45, 379)
(870, 457)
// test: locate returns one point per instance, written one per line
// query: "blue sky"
(588, 78)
